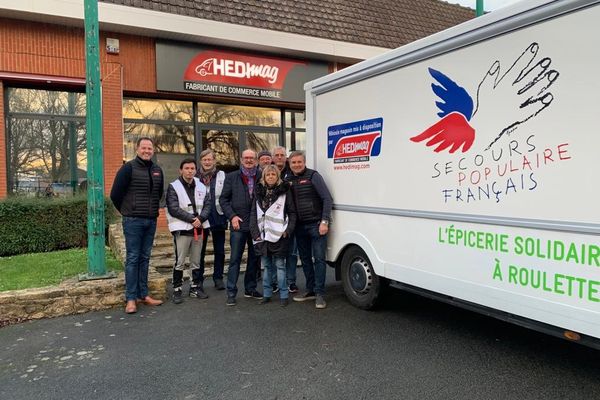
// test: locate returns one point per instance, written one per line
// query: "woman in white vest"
(272, 221)
(213, 179)
(188, 207)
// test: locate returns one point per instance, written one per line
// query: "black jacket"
(281, 247)
(138, 188)
(235, 199)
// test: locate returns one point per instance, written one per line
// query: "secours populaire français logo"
(529, 78)
(489, 141)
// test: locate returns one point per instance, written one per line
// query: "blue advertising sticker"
(355, 141)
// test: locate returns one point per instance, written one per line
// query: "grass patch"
(46, 269)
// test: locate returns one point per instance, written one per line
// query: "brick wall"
(46, 49)
(3, 172)
(138, 55)
(112, 121)
(39, 48)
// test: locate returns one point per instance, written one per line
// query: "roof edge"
(138, 21)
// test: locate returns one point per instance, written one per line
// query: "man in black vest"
(313, 207)
(136, 193)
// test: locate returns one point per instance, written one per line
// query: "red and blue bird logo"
(453, 131)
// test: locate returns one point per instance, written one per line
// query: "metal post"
(72, 142)
(479, 8)
(95, 169)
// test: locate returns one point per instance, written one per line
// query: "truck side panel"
(472, 173)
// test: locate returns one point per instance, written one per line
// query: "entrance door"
(228, 144)
(228, 130)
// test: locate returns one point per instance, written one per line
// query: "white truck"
(464, 166)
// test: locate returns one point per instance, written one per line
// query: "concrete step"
(162, 264)
(162, 247)
(163, 240)
(160, 252)
(163, 252)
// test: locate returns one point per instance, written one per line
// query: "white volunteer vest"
(200, 193)
(218, 190)
(272, 222)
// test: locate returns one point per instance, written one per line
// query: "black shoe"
(275, 288)
(231, 301)
(304, 297)
(198, 292)
(177, 296)
(255, 294)
(293, 288)
(219, 284)
(265, 300)
(284, 302)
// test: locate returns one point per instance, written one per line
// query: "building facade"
(190, 74)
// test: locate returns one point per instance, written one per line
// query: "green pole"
(72, 142)
(95, 169)
(479, 8)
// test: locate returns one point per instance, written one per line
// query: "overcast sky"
(488, 5)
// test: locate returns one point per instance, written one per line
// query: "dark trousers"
(312, 249)
(238, 241)
(218, 239)
(139, 236)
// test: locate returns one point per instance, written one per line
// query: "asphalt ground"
(411, 348)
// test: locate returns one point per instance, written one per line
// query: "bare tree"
(41, 135)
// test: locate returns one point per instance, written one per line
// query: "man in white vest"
(213, 179)
(188, 208)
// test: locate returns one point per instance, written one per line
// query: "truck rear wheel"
(361, 285)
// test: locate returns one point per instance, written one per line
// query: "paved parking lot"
(412, 348)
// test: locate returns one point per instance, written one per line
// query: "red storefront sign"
(237, 69)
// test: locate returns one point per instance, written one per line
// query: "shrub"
(34, 225)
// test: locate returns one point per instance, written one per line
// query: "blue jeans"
(218, 238)
(274, 266)
(291, 261)
(312, 245)
(139, 236)
(239, 240)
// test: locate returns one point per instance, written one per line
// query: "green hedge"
(34, 225)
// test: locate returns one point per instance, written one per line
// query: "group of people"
(273, 205)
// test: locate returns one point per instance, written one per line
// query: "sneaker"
(284, 302)
(293, 288)
(219, 284)
(265, 300)
(304, 297)
(198, 292)
(231, 301)
(275, 288)
(177, 296)
(255, 294)
(320, 302)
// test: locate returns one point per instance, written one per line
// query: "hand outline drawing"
(525, 84)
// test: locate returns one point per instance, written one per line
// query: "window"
(238, 115)
(46, 142)
(169, 123)
(295, 130)
(181, 129)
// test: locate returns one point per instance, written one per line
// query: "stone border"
(71, 297)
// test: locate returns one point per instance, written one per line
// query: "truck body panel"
(465, 163)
